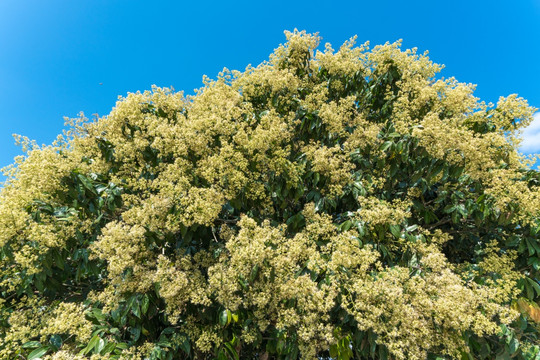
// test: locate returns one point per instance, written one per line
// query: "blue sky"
(54, 54)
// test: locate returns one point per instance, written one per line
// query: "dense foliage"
(325, 204)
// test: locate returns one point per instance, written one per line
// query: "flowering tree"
(331, 204)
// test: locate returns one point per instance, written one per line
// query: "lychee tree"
(324, 204)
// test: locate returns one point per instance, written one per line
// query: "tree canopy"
(324, 204)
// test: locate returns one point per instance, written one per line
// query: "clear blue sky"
(54, 54)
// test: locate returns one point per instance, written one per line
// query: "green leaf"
(56, 341)
(346, 225)
(535, 245)
(122, 346)
(135, 333)
(221, 355)
(529, 289)
(534, 285)
(333, 351)
(144, 331)
(514, 345)
(385, 145)
(136, 309)
(395, 230)
(164, 342)
(99, 346)
(232, 351)
(535, 262)
(91, 344)
(109, 348)
(58, 259)
(145, 303)
(225, 317)
(31, 344)
(530, 247)
(185, 346)
(411, 228)
(38, 353)
(87, 183)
